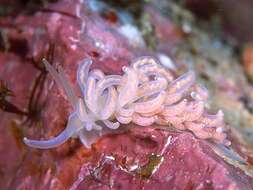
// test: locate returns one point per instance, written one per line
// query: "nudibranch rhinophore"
(145, 94)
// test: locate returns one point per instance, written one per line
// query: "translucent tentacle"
(82, 114)
(129, 89)
(81, 111)
(111, 125)
(61, 81)
(89, 95)
(182, 83)
(142, 61)
(82, 72)
(67, 87)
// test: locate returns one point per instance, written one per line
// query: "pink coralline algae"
(163, 155)
(147, 93)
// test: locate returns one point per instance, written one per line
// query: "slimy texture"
(146, 94)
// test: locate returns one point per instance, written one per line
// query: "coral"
(147, 93)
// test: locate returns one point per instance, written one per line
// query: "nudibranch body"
(147, 93)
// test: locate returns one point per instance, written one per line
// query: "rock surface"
(132, 158)
(236, 26)
(153, 158)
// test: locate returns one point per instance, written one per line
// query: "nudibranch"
(147, 93)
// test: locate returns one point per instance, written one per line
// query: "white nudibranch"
(147, 93)
(80, 122)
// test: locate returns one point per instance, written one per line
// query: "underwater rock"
(152, 158)
(148, 157)
(234, 16)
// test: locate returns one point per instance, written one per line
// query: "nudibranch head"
(147, 93)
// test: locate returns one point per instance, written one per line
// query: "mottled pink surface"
(146, 157)
(184, 163)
